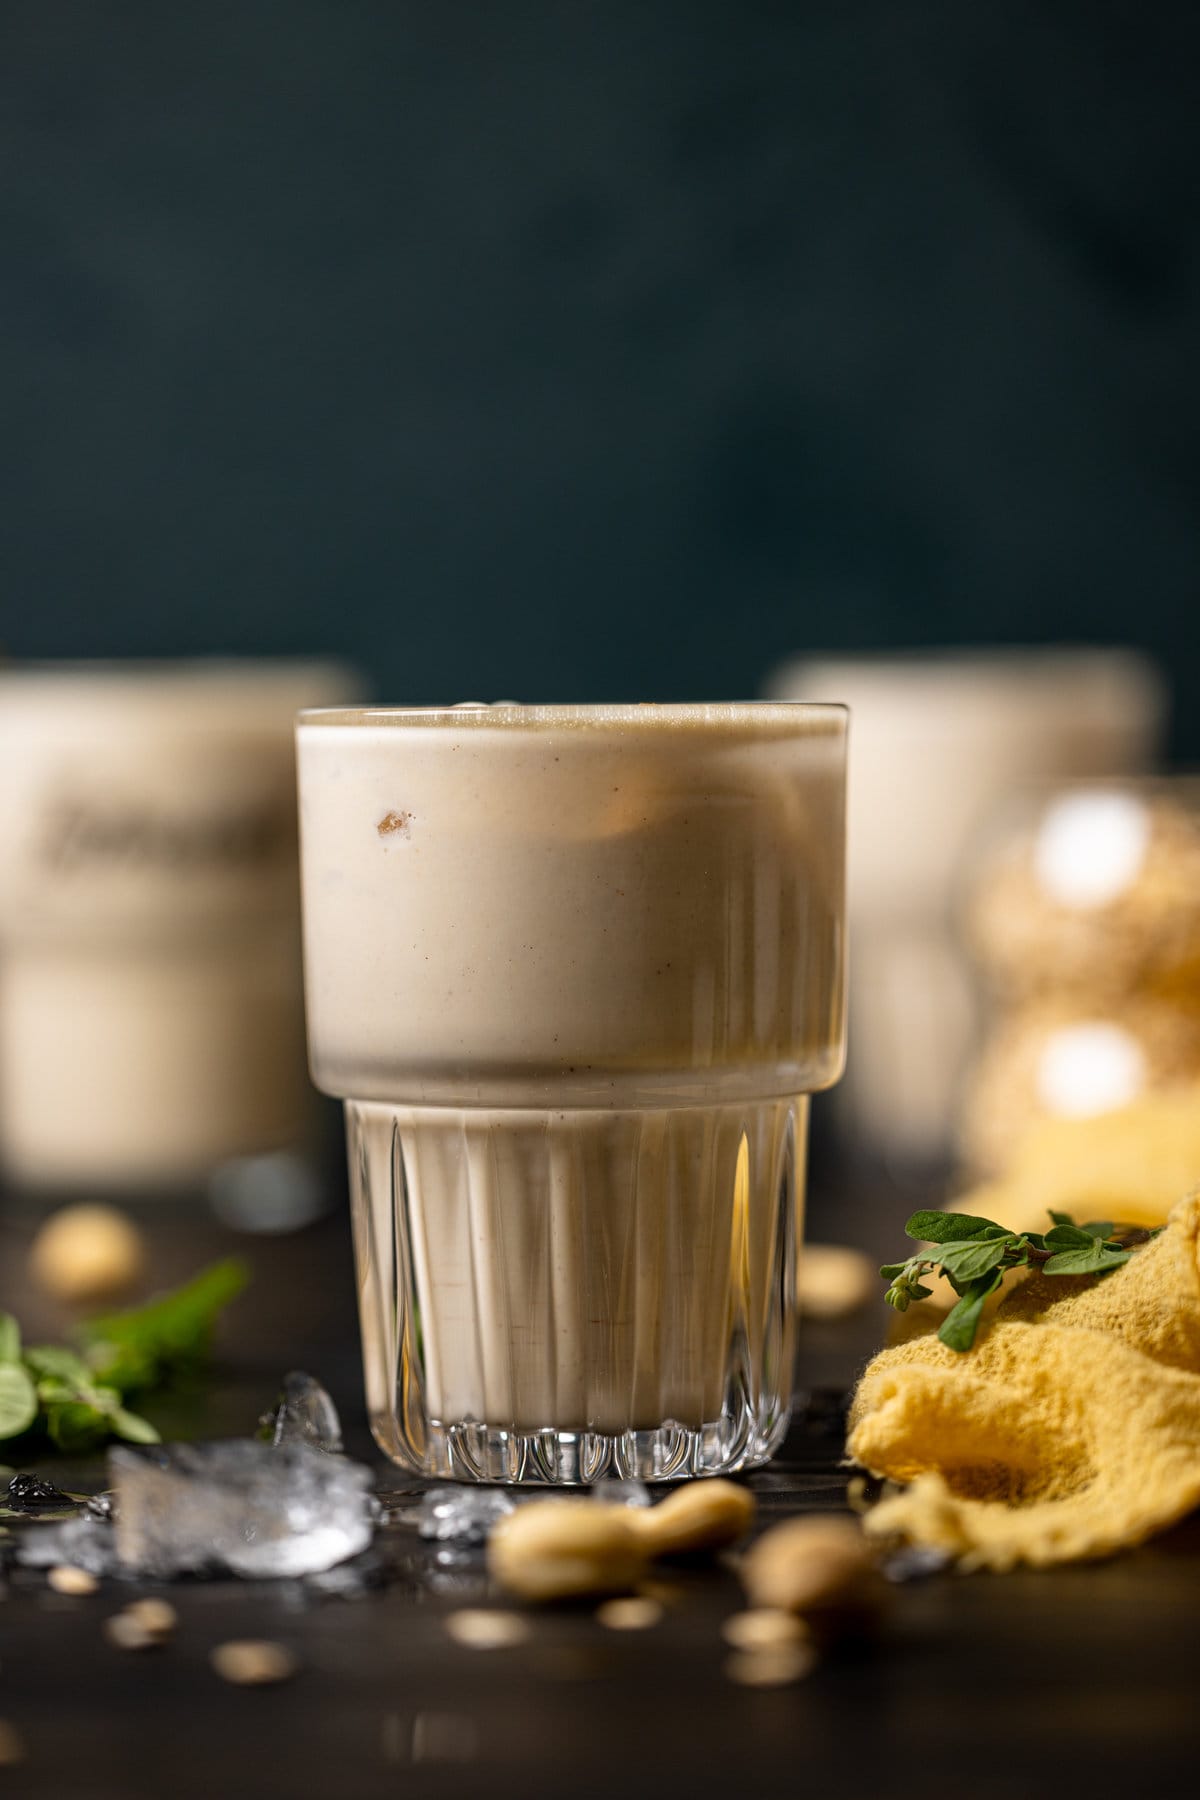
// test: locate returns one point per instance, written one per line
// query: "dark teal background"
(599, 350)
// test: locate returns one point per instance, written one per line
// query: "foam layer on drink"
(630, 907)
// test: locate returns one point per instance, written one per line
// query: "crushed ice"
(240, 1506)
(289, 1507)
(305, 1415)
(461, 1515)
(612, 1492)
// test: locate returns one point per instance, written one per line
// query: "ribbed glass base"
(578, 1458)
(553, 1297)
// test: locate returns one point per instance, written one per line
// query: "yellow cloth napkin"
(1070, 1430)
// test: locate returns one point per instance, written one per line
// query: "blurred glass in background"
(1084, 919)
(937, 743)
(151, 1027)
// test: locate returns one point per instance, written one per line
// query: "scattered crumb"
(763, 1628)
(770, 1668)
(253, 1662)
(392, 822)
(12, 1745)
(87, 1252)
(127, 1633)
(636, 1614)
(68, 1580)
(158, 1617)
(479, 1629)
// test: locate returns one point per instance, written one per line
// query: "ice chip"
(86, 1542)
(29, 1494)
(621, 1493)
(349, 1581)
(457, 1573)
(306, 1415)
(239, 1506)
(916, 1562)
(462, 1515)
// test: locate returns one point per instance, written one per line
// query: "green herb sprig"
(975, 1254)
(77, 1397)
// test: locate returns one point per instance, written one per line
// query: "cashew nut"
(704, 1515)
(554, 1549)
(815, 1566)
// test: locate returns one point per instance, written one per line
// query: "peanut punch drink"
(575, 971)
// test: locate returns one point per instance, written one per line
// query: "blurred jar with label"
(1083, 915)
(937, 741)
(151, 1024)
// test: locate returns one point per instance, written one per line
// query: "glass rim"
(533, 715)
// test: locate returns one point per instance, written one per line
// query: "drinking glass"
(575, 972)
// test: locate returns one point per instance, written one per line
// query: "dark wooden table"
(1081, 1680)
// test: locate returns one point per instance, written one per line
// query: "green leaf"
(1098, 1228)
(1071, 1262)
(136, 1349)
(948, 1228)
(966, 1262)
(10, 1339)
(18, 1400)
(1068, 1237)
(52, 1390)
(1096, 1260)
(132, 1427)
(57, 1360)
(889, 1271)
(76, 1427)
(962, 1321)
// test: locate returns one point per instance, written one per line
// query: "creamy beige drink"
(572, 969)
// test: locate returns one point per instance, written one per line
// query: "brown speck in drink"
(393, 822)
